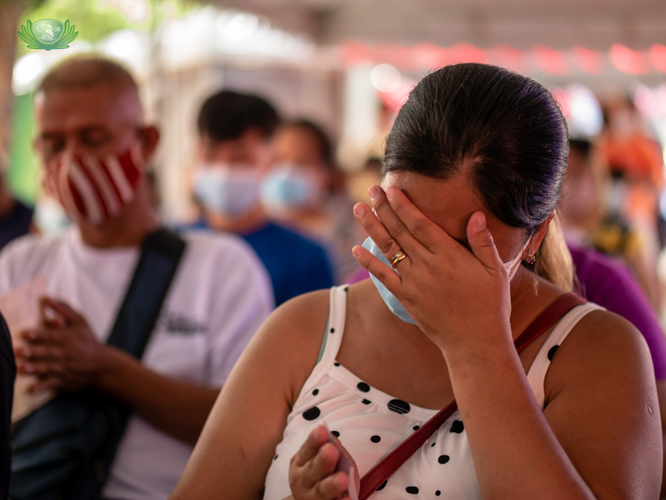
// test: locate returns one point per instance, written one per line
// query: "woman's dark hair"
(227, 115)
(502, 130)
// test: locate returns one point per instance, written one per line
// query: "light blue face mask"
(390, 300)
(231, 191)
(290, 187)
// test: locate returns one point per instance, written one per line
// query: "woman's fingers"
(311, 473)
(309, 449)
(332, 486)
(376, 230)
(379, 270)
(426, 232)
(399, 237)
(482, 244)
(322, 465)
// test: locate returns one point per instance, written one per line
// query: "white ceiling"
(518, 23)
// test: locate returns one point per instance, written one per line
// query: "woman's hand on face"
(312, 473)
(455, 296)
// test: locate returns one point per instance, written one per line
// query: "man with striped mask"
(95, 146)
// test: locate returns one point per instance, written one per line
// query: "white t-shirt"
(219, 297)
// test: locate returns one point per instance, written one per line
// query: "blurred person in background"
(95, 146)
(305, 190)
(603, 279)
(234, 154)
(592, 218)
(15, 217)
(636, 166)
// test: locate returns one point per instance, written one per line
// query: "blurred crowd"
(611, 201)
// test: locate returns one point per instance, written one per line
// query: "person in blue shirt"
(233, 155)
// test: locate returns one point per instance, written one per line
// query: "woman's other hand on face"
(312, 471)
(456, 296)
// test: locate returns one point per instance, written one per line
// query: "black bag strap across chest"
(160, 255)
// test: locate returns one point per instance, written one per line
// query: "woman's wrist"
(469, 350)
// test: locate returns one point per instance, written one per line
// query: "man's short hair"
(87, 71)
(227, 115)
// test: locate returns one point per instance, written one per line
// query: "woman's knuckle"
(382, 275)
(419, 226)
(386, 245)
(293, 480)
(396, 228)
(320, 489)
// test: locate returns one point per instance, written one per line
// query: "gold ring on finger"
(397, 257)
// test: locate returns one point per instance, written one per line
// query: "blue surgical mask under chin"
(390, 300)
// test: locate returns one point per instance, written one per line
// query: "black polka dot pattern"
(432, 445)
(437, 493)
(336, 364)
(332, 330)
(399, 406)
(315, 392)
(363, 387)
(335, 433)
(443, 459)
(311, 414)
(457, 427)
(275, 457)
(412, 490)
(383, 485)
(375, 439)
(416, 427)
(366, 402)
(552, 352)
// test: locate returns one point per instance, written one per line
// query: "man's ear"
(539, 235)
(149, 137)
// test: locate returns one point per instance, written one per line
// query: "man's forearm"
(178, 408)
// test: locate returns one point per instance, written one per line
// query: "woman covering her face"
(472, 178)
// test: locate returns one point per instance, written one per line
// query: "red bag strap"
(383, 470)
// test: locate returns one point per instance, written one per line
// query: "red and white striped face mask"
(92, 189)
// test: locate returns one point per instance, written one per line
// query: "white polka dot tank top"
(371, 423)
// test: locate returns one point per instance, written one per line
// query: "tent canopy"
(595, 24)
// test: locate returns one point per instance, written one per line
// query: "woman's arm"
(599, 435)
(237, 444)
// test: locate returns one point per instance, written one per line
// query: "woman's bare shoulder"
(601, 346)
(602, 331)
(298, 323)
(284, 350)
